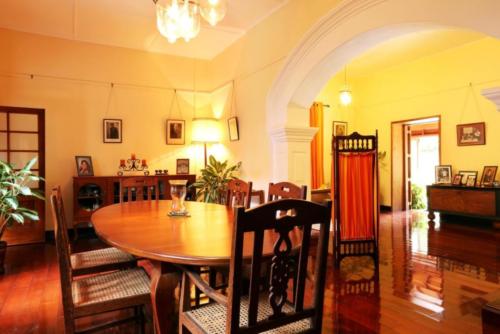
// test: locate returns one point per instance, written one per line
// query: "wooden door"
(407, 166)
(22, 137)
(397, 170)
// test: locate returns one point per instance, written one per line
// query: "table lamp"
(205, 130)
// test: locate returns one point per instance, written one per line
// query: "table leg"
(165, 280)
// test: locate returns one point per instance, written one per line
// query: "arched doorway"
(346, 31)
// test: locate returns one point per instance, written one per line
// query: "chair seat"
(112, 258)
(212, 317)
(125, 288)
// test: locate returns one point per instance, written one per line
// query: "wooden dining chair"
(239, 193)
(283, 190)
(270, 310)
(139, 188)
(96, 294)
(94, 261)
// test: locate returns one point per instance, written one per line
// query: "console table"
(476, 202)
(93, 192)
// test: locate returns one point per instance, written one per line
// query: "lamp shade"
(205, 130)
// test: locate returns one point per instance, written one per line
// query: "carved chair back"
(63, 251)
(282, 190)
(258, 221)
(239, 193)
(144, 188)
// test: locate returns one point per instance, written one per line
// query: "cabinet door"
(22, 137)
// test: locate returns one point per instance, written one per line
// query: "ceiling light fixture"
(181, 18)
(345, 95)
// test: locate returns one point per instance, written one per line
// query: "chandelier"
(181, 18)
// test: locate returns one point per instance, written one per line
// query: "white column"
(292, 154)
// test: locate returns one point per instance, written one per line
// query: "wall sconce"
(205, 131)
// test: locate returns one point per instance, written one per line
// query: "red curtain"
(356, 190)
(316, 120)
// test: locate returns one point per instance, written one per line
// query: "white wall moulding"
(293, 134)
(492, 94)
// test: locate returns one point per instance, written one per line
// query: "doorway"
(415, 148)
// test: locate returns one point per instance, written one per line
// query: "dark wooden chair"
(96, 294)
(139, 189)
(283, 190)
(94, 261)
(239, 193)
(264, 311)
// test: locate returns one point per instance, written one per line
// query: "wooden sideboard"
(477, 202)
(92, 192)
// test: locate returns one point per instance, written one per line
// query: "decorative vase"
(178, 192)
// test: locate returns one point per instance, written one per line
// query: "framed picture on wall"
(84, 165)
(232, 125)
(339, 129)
(112, 130)
(175, 132)
(488, 177)
(465, 175)
(443, 174)
(182, 166)
(471, 134)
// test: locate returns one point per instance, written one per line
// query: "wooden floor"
(430, 280)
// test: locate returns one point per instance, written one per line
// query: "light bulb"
(345, 97)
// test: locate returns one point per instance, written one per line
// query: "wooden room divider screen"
(356, 195)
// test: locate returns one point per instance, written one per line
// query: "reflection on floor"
(429, 280)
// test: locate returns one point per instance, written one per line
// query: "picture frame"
(182, 166)
(457, 180)
(176, 130)
(443, 174)
(112, 130)
(471, 134)
(471, 181)
(489, 174)
(465, 175)
(234, 132)
(339, 128)
(84, 165)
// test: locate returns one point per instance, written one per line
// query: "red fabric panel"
(356, 192)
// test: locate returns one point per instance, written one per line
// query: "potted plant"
(211, 185)
(14, 185)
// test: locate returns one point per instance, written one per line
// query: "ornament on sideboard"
(161, 171)
(133, 164)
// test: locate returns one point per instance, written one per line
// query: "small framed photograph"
(471, 134)
(339, 128)
(84, 165)
(175, 132)
(443, 174)
(488, 177)
(471, 181)
(234, 132)
(182, 166)
(457, 180)
(112, 130)
(465, 176)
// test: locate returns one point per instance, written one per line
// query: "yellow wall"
(75, 109)
(433, 85)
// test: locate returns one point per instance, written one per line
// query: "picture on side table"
(112, 130)
(443, 174)
(488, 176)
(471, 134)
(84, 165)
(471, 181)
(465, 176)
(339, 129)
(175, 132)
(457, 180)
(182, 166)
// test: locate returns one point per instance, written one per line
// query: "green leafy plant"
(211, 185)
(417, 197)
(13, 185)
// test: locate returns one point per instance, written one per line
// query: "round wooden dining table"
(145, 229)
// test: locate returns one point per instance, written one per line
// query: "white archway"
(345, 32)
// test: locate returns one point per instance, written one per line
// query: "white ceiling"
(129, 23)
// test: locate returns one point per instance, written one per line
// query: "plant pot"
(3, 250)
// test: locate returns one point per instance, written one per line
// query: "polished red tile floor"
(429, 280)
